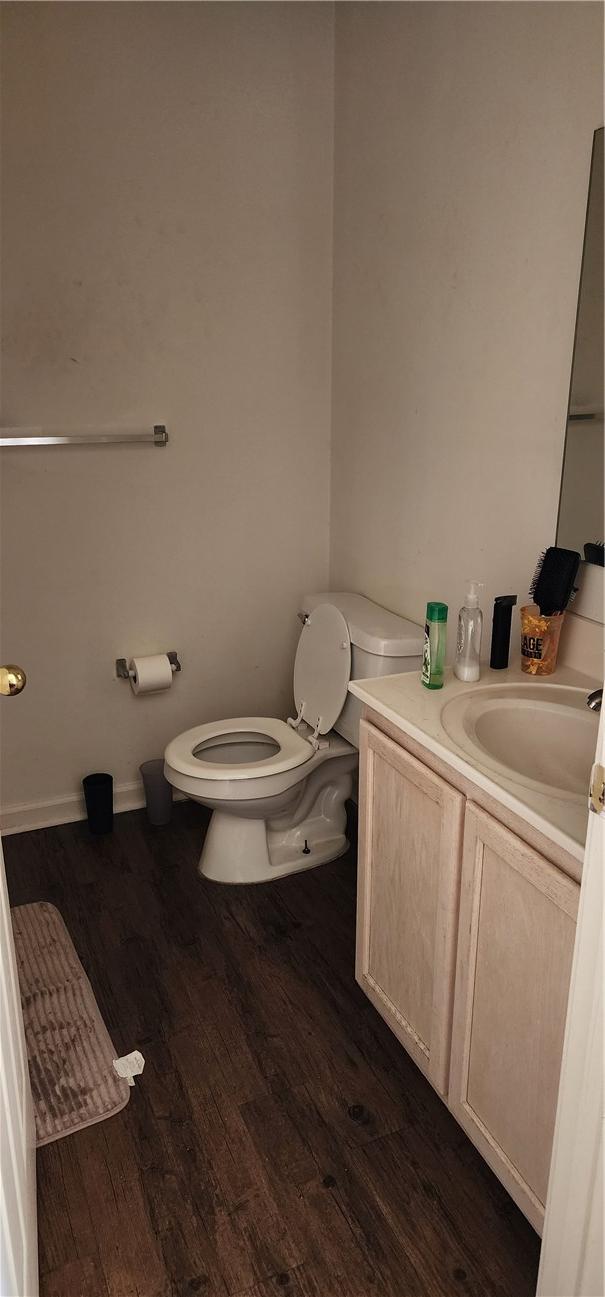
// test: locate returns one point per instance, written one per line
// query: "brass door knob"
(12, 680)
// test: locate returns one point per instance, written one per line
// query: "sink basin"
(540, 735)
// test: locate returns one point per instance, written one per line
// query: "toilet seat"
(293, 749)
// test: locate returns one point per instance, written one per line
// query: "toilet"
(277, 789)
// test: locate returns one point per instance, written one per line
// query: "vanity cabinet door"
(515, 947)
(410, 844)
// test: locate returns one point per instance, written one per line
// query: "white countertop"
(404, 701)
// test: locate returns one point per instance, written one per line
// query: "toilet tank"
(382, 644)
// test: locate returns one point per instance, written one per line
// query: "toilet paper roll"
(150, 674)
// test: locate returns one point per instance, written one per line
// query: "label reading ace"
(532, 646)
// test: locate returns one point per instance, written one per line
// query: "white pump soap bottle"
(467, 665)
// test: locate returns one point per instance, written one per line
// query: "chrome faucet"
(594, 700)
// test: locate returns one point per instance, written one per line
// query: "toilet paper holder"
(124, 673)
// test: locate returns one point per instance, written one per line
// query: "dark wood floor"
(280, 1141)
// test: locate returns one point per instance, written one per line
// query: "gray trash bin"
(158, 792)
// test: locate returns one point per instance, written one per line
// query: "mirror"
(580, 522)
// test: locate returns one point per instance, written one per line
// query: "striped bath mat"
(70, 1053)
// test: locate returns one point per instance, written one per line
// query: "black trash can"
(98, 795)
(158, 792)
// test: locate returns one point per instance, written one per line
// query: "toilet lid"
(322, 668)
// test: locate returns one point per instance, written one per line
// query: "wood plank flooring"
(280, 1142)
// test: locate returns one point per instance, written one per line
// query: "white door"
(18, 1232)
(18, 1223)
(571, 1264)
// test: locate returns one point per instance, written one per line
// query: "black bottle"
(503, 611)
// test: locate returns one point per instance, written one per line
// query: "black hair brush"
(553, 581)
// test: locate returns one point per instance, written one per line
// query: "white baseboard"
(65, 810)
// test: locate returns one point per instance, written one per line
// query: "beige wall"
(463, 143)
(167, 257)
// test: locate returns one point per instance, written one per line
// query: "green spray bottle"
(435, 636)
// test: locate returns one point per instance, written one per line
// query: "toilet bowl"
(278, 802)
(277, 789)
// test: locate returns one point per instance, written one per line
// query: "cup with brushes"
(553, 588)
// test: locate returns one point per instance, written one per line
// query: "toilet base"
(238, 850)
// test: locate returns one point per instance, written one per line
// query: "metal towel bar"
(157, 436)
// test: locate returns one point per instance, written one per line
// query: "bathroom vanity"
(468, 889)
